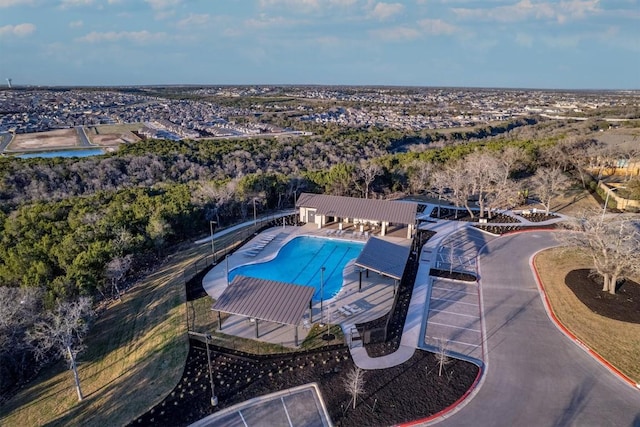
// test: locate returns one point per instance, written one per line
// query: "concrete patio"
(373, 300)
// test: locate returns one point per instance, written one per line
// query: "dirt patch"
(403, 393)
(624, 305)
(112, 139)
(62, 138)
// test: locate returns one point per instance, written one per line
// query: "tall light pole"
(213, 246)
(255, 218)
(214, 398)
(321, 293)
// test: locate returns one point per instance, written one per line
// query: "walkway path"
(413, 335)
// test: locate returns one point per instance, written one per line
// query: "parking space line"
(243, 420)
(452, 290)
(456, 314)
(451, 326)
(455, 300)
(284, 405)
(457, 342)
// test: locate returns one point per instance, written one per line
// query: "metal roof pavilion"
(367, 209)
(268, 300)
(384, 257)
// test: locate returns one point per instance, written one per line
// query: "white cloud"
(396, 33)
(437, 27)
(306, 6)
(264, 21)
(114, 36)
(65, 4)
(9, 3)
(20, 30)
(76, 24)
(528, 9)
(193, 20)
(163, 4)
(383, 11)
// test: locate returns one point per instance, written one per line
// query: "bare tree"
(442, 357)
(62, 332)
(367, 173)
(20, 308)
(419, 175)
(354, 384)
(116, 269)
(613, 243)
(549, 183)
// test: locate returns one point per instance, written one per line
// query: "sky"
(547, 44)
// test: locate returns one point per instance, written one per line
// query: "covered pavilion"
(323, 209)
(266, 300)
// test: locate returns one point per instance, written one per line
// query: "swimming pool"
(300, 262)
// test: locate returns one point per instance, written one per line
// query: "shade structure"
(399, 212)
(384, 257)
(268, 300)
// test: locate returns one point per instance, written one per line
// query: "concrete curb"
(569, 334)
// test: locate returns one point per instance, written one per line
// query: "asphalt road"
(535, 376)
(5, 139)
(82, 136)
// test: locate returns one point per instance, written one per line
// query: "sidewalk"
(418, 312)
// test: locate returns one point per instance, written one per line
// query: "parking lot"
(300, 406)
(454, 318)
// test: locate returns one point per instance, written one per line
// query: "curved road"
(535, 375)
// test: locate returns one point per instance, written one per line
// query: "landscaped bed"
(624, 305)
(410, 391)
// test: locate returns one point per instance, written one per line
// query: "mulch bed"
(623, 306)
(403, 393)
(497, 229)
(539, 217)
(463, 215)
(455, 275)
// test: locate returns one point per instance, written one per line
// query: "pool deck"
(374, 300)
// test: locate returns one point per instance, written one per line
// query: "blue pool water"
(65, 153)
(300, 262)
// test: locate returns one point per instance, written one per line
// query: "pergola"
(266, 300)
(384, 257)
(317, 208)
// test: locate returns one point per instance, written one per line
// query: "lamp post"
(213, 246)
(321, 293)
(214, 398)
(255, 218)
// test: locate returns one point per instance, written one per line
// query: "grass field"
(617, 342)
(135, 356)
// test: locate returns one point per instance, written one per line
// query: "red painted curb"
(569, 334)
(447, 409)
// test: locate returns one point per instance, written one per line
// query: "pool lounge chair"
(345, 313)
(354, 309)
